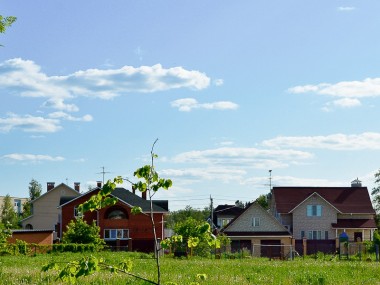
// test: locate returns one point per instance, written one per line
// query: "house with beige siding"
(259, 232)
(320, 214)
(45, 212)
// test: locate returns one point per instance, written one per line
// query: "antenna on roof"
(270, 180)
(103, 172)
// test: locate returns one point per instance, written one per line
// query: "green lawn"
(27, 270)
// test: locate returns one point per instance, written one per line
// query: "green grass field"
(27, 270)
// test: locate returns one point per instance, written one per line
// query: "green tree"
(78, 231)
(35, 190)
(6, 22)
(262, 200)
(183, 214)
(8, 215)
(376, 196)
(195, 234)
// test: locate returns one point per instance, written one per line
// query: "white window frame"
(115, 234)
(316, 235)
(255, 222)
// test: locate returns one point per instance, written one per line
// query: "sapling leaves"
(136, 210)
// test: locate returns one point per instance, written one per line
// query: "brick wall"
(43, 238)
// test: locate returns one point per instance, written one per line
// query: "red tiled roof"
(354, 200)
(355, 224)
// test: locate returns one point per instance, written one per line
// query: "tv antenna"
(103, 172)
(270, 180)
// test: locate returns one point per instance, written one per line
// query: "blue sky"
(232, 89)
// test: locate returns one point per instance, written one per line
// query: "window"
(314, 210)
(112, 234)
(303, 234)
(256, 222)
(77, 213)
(116, 215)
(317, 234)
(222, 222)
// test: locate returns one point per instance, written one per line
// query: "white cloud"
(364, 141)
(25, 77)
(32, 157)
(347, 102)
(346, 9)
(293, 181)
(349, 91)
(369, 87)
(244, 157)
(65, 116)
(218, 82)
(341, 103)
(188, 104)
(223, 174)
(29, 123)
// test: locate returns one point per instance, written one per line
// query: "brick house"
(321, 214)
(118, 226)
(44, 208)
(259, 232)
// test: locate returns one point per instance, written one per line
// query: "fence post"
(377, 252)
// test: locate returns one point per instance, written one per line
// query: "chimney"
(50, 185)
(99, 184)
(133, 189)
(143, 195)
(356, 183)
(77, 186)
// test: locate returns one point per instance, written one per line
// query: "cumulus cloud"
(188, 104)
(349, 91)
(280, 180)
(364, 141)
(29, 123)
(369, 87)
(244, 157)
(213, 173)
(26, 78)
(65, 116)
(32, 157)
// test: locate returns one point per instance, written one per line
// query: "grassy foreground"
(27, 270)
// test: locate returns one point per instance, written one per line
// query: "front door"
(358, 236)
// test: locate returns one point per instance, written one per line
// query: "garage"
(271, 248)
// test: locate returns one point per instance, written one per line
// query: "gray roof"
(134, 200)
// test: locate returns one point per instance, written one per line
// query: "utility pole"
(103, 172)
(212, 214)
(270, 180)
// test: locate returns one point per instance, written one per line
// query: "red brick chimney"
(143, 195)
(77, 186)
(50, 185)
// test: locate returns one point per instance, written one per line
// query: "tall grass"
(27, 270)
